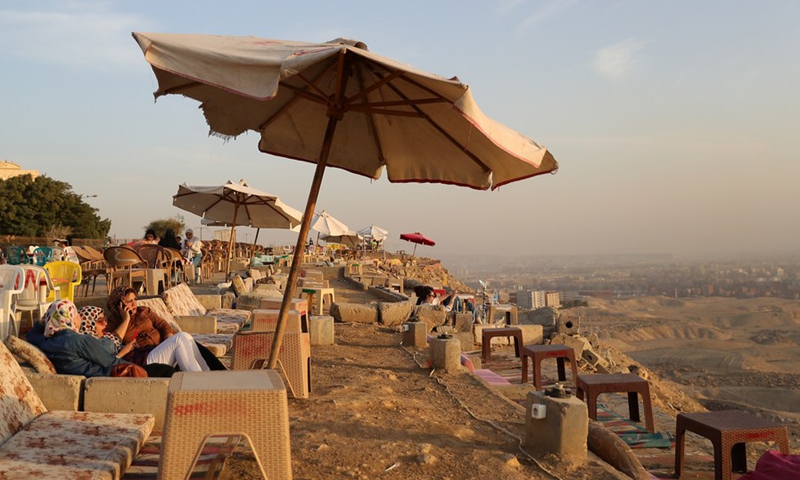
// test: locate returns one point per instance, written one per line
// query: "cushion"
(19, 403)
(238, 285)
(158, 307)
(75, 445)
(181, 302)
(35, 357)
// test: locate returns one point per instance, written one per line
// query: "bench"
(42, 444)
(181, 302)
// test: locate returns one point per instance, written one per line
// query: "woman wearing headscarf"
(156, 340)
(169, 240)
(57, 335)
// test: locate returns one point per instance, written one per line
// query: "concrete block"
(394, 313)
(321, 330)
(252, 300)
(563, 431)
(531, 334)
(467, 340)
(264, 287)
(568, 324)
(463, 322)
(434, 316)
(591, 357)
(204, 324)
(58, 392)
(579, 344)
(210, 302)
(354, 313)
(127, 395)
(446, 354)
(545, 316)
(415, 334)
(228, 299)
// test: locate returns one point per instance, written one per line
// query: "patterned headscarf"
(112, 304)
(62, 314)
(89, 315)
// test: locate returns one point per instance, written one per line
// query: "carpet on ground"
(210, 464)
(632, 433)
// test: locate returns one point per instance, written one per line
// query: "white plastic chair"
(12, 281)
(33, 297)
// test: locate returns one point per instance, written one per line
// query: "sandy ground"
(726, 353)
(377, 411)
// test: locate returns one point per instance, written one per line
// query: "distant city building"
(551, 299)
(532, 299)
(11, 169)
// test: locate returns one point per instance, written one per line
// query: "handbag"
(128, 370)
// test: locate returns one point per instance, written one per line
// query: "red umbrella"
(417, 239)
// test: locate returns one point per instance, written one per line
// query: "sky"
(675, 124)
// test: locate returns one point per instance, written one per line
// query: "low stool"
(593, 385)
(537, 353)
(488, 333)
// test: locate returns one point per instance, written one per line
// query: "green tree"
(33, 207)
(176, 224)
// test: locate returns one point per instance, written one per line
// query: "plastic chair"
(125, 267)
(42, 255)
(12, 280)
(33, 297)
(16, 255)
(65, 275)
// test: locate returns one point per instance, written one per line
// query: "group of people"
(130, 338)
(190, 247)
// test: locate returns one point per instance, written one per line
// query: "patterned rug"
(634, 434)
(212, 458)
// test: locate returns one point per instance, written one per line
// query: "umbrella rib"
(370, 119)
(299, 93)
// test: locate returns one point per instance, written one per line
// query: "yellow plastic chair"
(66, 276)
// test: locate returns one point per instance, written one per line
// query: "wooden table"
(728, 430)
(487, 334)
(537, 353)
(251, 403)
(594, 385)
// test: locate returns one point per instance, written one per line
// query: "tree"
(34, 207)
(176, 224)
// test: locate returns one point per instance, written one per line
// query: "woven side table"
(266, 320)
(729, 431)
(250, 349)
(594, 385)
(250, 403)
(299, 304)
(537, 353)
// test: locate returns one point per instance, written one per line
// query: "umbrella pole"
(253, 254)
(291, 281)
(230, 244)
(415, 251)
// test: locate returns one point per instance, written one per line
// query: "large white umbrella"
(236, 204)
(325, 224)
(374, 231)
(341, 105)
(349, 239)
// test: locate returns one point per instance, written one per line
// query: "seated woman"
(72, 353)
(156, 340)
(426, 295)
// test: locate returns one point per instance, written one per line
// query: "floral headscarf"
(89, 315)
(62, 314)
(112, 304)
(89, 318)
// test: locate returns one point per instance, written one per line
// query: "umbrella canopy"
(417, 239)
(357, 111)
(349, 239)
(374, 231)
(236, 204)
(325, 224)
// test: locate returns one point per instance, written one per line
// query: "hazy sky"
(676, 124)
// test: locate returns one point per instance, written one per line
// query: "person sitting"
(150, 238)
(156, 340)
(169, 240)
(192, 252)
(452, 301)
(57, 335)
(426, 295)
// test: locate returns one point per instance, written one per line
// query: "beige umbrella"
(236, 204)
(348, 239)
(338, 104)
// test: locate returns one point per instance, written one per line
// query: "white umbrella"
(236, 204)
(341, 105)
(374, 231)
(325, 224)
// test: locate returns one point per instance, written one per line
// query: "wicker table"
(251, 349)
(489, 333)
(251, 404)
(594, 385)
(537, 353)
(728, 430)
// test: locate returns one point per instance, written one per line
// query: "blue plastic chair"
(16, 255)
(42, 255)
